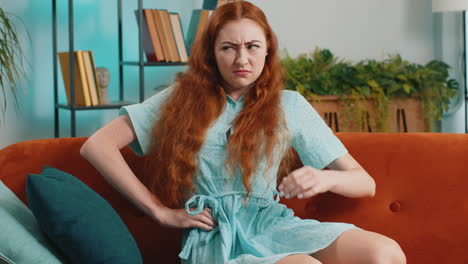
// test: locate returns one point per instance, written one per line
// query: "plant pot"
(406, 115)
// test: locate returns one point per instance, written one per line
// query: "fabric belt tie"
(201, 201)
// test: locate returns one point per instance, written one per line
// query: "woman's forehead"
(241, 31)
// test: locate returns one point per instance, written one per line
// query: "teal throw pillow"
(81, 223)
(21, 239)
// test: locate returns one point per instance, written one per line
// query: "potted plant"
(12, 60)
(366, 94)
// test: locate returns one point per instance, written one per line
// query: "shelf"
(140, 63)
(114, 105)
(136, 63)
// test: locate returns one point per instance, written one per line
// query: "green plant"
(321, 73)
(12, 60)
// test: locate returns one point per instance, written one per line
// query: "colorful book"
(213, 4)
(64, 58)
(90, 77)
(93, 66)
(179, 36)
(150, 38)
(84, 81)
(162, 36)
(169, 35)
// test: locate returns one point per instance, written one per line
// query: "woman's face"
(240, 51)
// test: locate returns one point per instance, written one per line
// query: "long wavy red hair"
(198, 99)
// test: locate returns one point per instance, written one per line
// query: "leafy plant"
(321, 73)
(12, 60)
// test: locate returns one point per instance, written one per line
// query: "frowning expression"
(240, 51)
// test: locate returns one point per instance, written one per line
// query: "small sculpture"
(103, 76)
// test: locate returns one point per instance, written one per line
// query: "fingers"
(206, 218)
(201, 225)
(203, 220)
(309, 193)
(294, 183)
(302, 183)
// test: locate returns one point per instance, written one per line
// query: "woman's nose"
(242, 56)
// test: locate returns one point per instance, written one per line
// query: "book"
(98, 87)
(90, 77)
(162, 36)
(222, 2)
(64, 58)
(197, 25)
(179, 36)
(210, 4)
(213, 4)
(169, 35)
(150, 37)
(84, 81)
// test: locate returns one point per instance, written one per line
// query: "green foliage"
(321, 73)
(12, 60)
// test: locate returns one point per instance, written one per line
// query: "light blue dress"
(263, 230)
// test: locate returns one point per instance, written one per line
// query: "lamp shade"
(449, 5)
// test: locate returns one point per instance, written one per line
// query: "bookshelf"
(141, 64)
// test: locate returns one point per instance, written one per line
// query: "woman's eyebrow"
(237, 44)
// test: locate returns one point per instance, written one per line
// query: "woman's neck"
(235, 94)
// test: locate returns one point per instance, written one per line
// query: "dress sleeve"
(142, 116)
(313, 140)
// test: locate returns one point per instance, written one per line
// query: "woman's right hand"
(179, 218)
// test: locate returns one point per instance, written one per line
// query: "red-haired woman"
(214, 142)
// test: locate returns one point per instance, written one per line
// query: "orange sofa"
(420, 199)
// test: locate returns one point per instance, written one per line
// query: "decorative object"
(78, 220)
(103, 81)
(456, 5)
(12, 60)
(367, 90)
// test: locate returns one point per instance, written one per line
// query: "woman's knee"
(299, 259)
(387, 252)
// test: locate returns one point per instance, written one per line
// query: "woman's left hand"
(305, 183)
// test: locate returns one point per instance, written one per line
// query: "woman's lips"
(242, 72)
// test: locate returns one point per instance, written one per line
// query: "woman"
(215, 141)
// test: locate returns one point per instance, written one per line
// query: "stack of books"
(163, 38)
(86, 85)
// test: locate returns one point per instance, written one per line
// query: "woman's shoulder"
(160, 97)
(289, 98)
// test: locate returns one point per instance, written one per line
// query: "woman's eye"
(253, 47)
(226, 48)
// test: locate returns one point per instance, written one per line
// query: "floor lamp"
(454, 6)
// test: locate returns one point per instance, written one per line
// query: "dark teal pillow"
(79, 222)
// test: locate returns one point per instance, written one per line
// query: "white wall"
(372, 29)
(354, 29)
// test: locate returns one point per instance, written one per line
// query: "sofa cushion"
(78, 220)
(22, 240)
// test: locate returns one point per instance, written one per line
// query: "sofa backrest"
(420, 197)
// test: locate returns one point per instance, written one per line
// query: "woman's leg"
(298, 259)
(360, 246)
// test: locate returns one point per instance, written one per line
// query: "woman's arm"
(345, 177)
(102, 150)
(350, 178)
